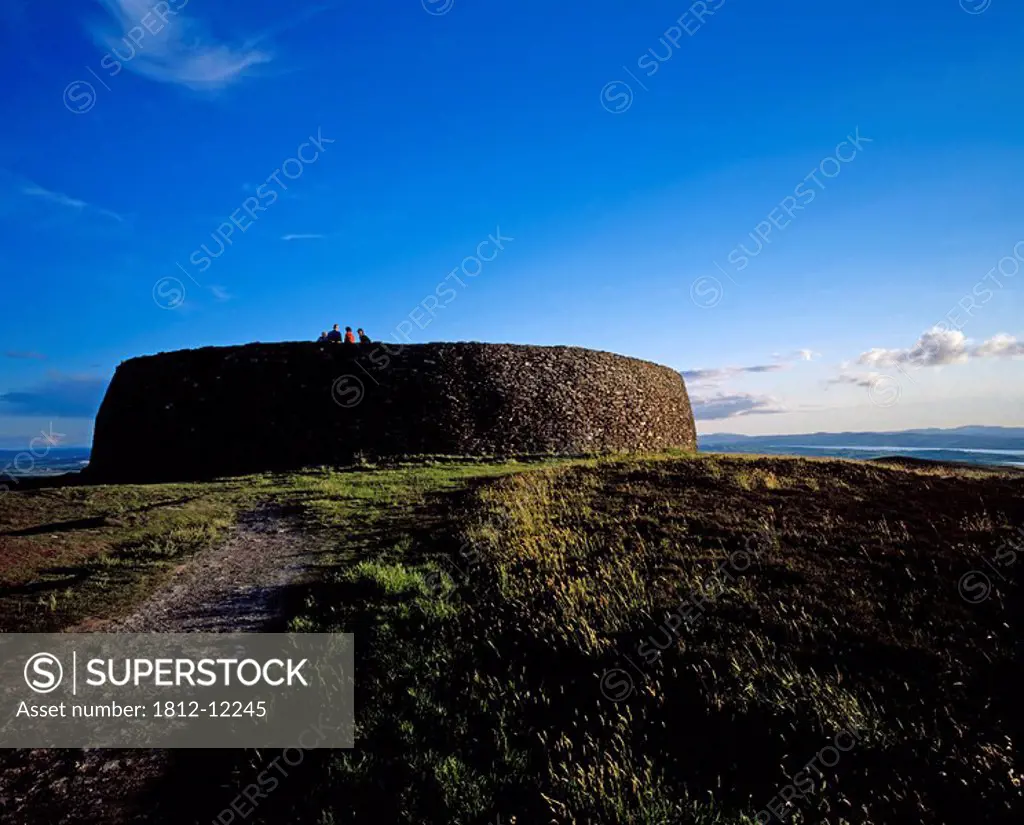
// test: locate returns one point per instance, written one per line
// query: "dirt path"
(229, 589)
(235, 587)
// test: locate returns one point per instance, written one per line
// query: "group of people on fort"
(335, 336)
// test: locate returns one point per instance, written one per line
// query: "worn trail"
(235, 587)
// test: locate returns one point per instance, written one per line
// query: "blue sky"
(813, 211)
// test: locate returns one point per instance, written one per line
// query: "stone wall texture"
(230, 410)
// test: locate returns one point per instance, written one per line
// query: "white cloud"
(720, 405)
(1000, 346)
(220, 293)
(937, 347)
(178, 49)
(940, 347)
(309, 236)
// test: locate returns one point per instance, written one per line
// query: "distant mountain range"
(963, 438)
(976, 444)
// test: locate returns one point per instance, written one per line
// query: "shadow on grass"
(216, 779)
(60, 527)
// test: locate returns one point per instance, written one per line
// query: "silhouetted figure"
(349, 337)
(363, 337)
(334, 336)
(322, 339)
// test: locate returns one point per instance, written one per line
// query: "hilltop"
(648, 639)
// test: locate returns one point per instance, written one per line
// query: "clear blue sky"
(627, 186)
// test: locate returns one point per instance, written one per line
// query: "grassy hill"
(709, 639)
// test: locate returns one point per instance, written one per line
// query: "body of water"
(58, 460)
(1012, 458)
(42, 461)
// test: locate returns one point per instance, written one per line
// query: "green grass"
(488, 611)
(491, 602)
(73, 554)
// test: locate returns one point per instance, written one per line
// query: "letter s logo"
(706, 292)
(617, 97)
(169, 293)
(974, 587)
(616, 684)
(43, 672)
(348, 391)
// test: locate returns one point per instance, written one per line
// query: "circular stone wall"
(231, 410)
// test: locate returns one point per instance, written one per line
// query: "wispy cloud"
(296, 19)
(25, 355)
(182, 51)
(798, 355)
(305, 236)
(33, 190)
(734, 405)
(718, 374)
(710, 403)
(220, 294)
(73, 396)
(868, 380)
(712, 376)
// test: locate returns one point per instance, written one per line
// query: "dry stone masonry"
(230, 410)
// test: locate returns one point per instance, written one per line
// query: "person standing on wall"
(363, 337)
(334, 335)
(350, 338)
